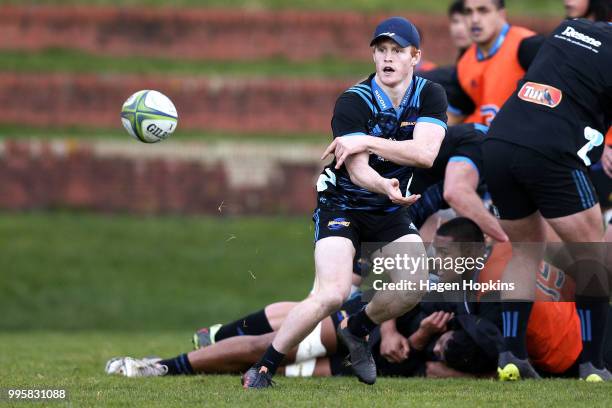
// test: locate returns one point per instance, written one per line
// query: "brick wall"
(228, 104)
(166, 178)
(214, 34)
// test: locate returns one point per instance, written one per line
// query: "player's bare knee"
(333, 301)
(330, 300)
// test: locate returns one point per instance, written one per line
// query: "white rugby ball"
(149, 116)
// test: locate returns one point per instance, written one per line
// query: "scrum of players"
(506, 147)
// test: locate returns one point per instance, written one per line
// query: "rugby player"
(597, 10)
(461, 40)
(363, 200)
(535, 165)
(488, 71)
(457, 27)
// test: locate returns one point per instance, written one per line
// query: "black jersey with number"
(461, 143)
(363, 109)
(563, 105)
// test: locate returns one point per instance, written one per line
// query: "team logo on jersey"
(541, 94)
(338, 223)
(571, 33)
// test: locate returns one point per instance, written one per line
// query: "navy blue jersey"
(462, 143)
(364, 109)
(563, 105)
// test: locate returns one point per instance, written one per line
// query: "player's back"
(577, 59)
(567, 88)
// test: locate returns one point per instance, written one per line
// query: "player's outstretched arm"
(364, 176)
(460, 183)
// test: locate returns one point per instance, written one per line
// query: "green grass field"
(66, 271)
(75, 361)
(530, 7)
(15, 131)
(78, 289)
(72, 61)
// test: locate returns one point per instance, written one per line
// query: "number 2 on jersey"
(595, 138)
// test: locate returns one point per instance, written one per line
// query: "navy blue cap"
(398, 29)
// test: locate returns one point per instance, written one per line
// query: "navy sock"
(178, 365)
(593, 313)
(360, 324)
(515, 316)
(254, 324)
(271, 359)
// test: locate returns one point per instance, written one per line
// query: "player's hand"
(343, 147)
(436, 322)
(606, 160)
(394, 347)
(395, 195)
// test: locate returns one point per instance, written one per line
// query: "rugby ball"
(149, 116)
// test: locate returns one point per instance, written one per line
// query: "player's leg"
(567, 200)
(592, 284)
(527, 236)
(404, 241)
(232, 355)
(263, 321)
(228, 356)
(277, 312)
(388, 304)
(334, 266)
(333, 263)
(525, 228)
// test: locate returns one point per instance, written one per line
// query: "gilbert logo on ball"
(149, 116)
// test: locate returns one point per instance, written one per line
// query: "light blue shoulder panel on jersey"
(365, 92)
